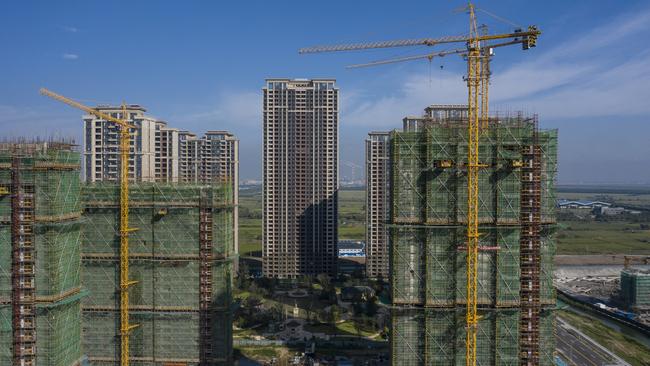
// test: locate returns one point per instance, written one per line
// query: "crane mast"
(477, 54)
(474, 102)
(125, 147)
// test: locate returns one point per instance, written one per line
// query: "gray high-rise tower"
(300, 177)
(377, 203)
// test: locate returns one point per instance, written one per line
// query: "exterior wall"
(300, 175)
(188, 160)
(154, 148)
(212, 158)
(168, 262)
(428, 216)
(377, 204)
(166, 154)
(51, 172)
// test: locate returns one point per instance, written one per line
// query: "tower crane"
(477, 52)
(125, 282)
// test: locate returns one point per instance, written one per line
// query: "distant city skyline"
(203, 71)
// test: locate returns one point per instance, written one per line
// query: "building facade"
(300, 172)
(154, 147)
(40, 230)
(377, 203)
(428, 230)
(160, 153)
(210, 159)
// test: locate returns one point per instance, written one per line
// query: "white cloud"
(70, 29)
(581, 77)
(70, 56)
(233, 109)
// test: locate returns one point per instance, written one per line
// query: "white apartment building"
(154, 147)
(160, 153)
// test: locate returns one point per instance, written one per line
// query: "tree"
(242, 275)
(325, 280)
(335, 314)
(371, 306)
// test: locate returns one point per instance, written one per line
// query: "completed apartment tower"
(377, 203)
(300, 177)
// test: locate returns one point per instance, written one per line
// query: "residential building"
(40, 233)
(428, 230)
(300, 172)
(378, 183)
(189, 157)
(154, 147)
(377, 203)
(160, 153)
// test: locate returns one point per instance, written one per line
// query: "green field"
(250, 223)
(625, 235)
(351, 219)
(594, 237)
(575, 236)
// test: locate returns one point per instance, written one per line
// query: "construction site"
(40, 232)
(181, 258)
(115, 272)
(428, 218)
(59, 284)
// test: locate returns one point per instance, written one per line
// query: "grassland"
(352, 208)
(614, 236)
(594, 237)
(574, 236)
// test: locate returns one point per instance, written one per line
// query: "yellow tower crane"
(125, 283)
(477, 52)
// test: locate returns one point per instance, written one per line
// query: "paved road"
(580, 350)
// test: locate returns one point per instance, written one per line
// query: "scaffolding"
(530, 250)
(181, 257)
(40, 317)
(635, 289)
(436, 336)
(428, 231)
(429, 270)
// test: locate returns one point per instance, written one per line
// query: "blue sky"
(200, 65)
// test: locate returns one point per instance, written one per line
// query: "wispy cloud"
(69, 56)
(581, 77)
(235, 109)
(70, 29)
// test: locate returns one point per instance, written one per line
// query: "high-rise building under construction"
(59, 277)
(180, 256)
(40, 230)
(427, 216)
(300, 177)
